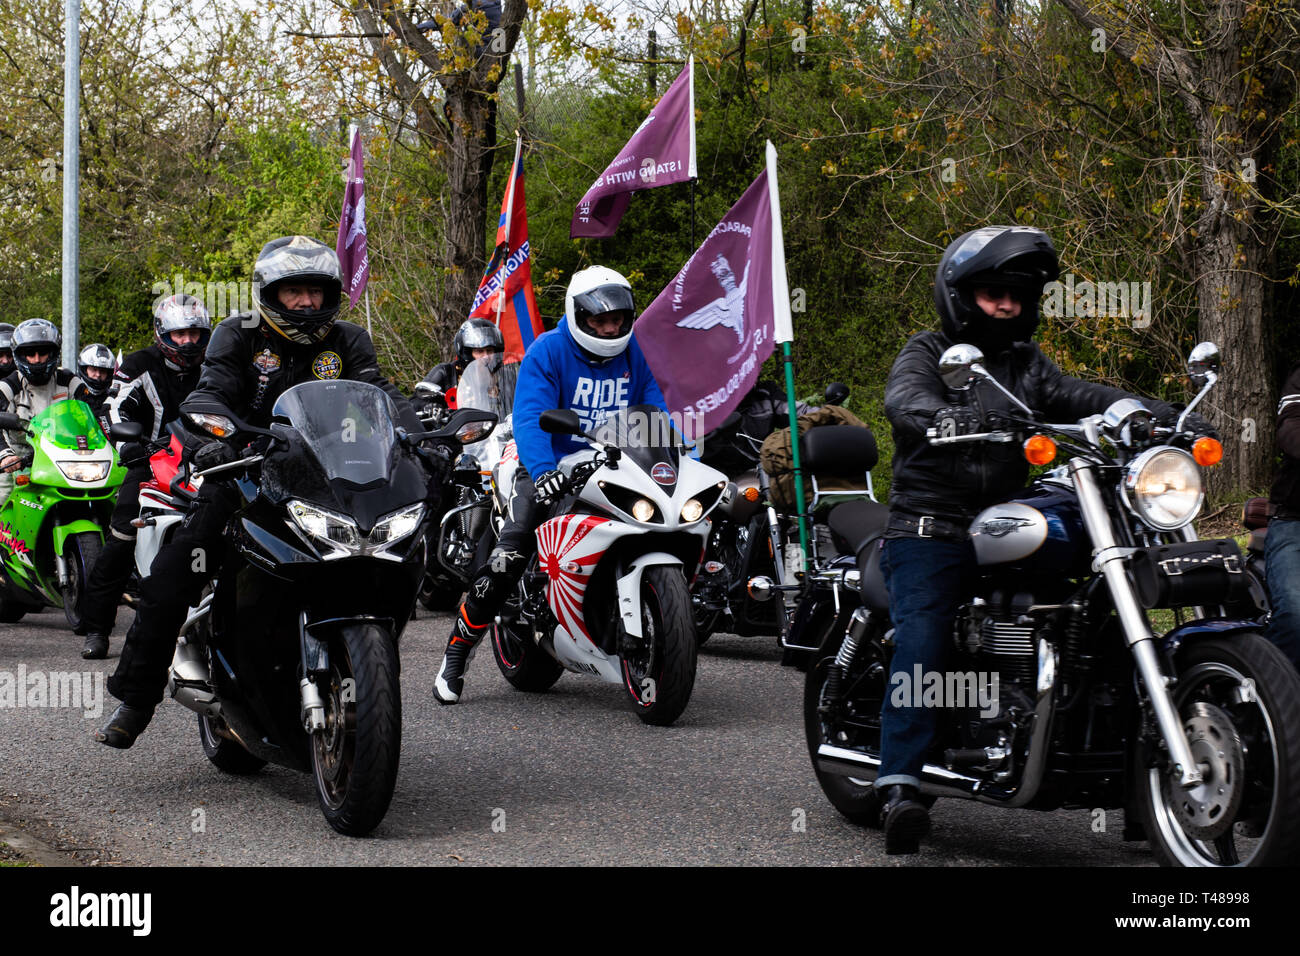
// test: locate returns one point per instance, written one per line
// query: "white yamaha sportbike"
(607, 592)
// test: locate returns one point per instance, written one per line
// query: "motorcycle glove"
(550, 486)
(955, 420)
(212, 454)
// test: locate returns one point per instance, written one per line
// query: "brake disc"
(1208, 810)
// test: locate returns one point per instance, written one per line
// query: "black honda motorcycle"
(291, 656)
(1125, 660)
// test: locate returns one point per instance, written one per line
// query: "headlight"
(397, 526)
(342, 532)
(326, 525)
(84, 470)
(692, 511)
(643, 510)
(1163, 487)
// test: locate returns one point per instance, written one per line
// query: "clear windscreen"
(348, 426)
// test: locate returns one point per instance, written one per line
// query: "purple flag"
(660, 152)
(351, 245)
(707, 335)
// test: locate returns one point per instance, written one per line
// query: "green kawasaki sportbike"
(52, 525)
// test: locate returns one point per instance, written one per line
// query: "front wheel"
(521, 662)
(354, 759)
(660, 675)
(1239, 701)
(80, 552)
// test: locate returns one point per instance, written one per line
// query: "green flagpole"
(783, 332)
(794, 450)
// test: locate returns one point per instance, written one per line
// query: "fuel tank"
(1041, 529)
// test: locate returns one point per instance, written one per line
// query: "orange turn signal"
(1207, 451)
(22, 479)
(1040, 450)
(751, 494)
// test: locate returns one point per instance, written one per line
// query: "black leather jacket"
(955, 482)
(247, 367)
(155, 391)
(1286, 487)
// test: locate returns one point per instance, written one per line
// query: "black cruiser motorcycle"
(1131, 670)
(291, 656)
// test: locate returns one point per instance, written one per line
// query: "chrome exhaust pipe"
(939, 781)
(189, 683)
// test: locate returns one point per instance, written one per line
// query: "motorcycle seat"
(858, 522)
(843, 450)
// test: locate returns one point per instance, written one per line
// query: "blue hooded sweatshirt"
(557, 374)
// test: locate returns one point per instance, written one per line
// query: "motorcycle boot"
(450, 682)
(96, 646)
(124, 725)
(905, 819)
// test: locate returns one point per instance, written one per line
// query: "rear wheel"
(1238, 700)
(849, 719)
(660, 675)
(80, 552)
(354, 759)
(226, 755)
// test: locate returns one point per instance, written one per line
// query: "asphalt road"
(566, 777)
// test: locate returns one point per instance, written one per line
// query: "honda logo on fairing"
(664, 473)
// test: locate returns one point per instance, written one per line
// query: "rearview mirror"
(956, 364)
(560, 421)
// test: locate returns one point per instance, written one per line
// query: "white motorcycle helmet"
(596, 291)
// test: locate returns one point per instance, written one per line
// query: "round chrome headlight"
(643, 510)
(692, 511)
(1163, 487)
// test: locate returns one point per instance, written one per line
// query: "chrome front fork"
(1109, 561)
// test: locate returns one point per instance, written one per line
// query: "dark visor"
(606, 298)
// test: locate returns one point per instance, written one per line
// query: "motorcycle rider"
(293, 336)
(34, 385)
(593, 346)
(6, 349)
(475, 339)
(96, 367)
(153, 383)
(1282, 545)
(986, 292)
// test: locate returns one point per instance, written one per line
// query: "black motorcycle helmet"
(476, 334)
(1016, 256)
(33, 337)
(6, 349)
(297, 260)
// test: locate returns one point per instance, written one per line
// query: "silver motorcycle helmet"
(178, 313)
(96, 366)
(297, 261)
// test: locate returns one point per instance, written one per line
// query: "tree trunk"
(468, 163)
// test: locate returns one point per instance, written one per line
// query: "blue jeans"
(1282, 556)
(927, 579)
